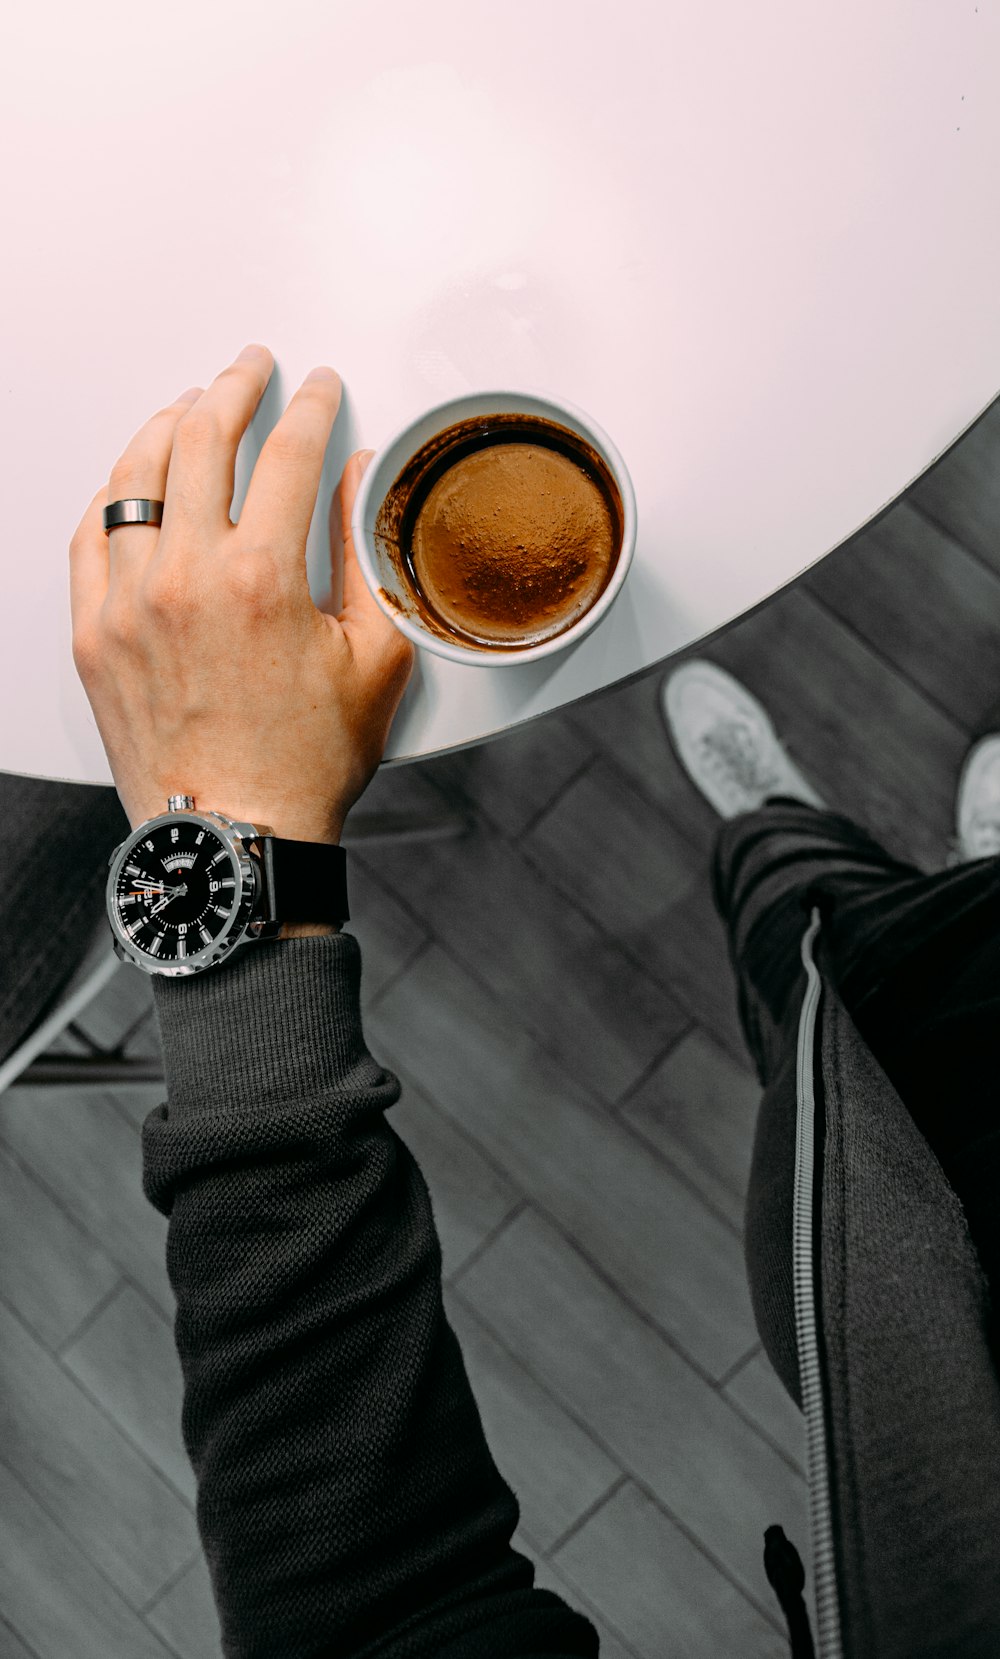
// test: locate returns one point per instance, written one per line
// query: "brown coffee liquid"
(507, 529)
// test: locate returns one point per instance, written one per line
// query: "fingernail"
(364, 457)
(191, 394)
(322, 373)
(253, 351)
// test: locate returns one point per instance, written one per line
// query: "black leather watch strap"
(305, 881)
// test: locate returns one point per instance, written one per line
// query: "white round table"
(757, 243)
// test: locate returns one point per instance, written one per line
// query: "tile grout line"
(529, 1201)
(89, 1319)
(621, 1295)
(100, 1406)
(484, 1244)
(587, 1514)
(677, 1170)
(561, 792)
(19, 1636)
(170, 1584)
(654, 1065)
(537, 1033)
(898, 671)
(397, 973)
(737, 1367)
(591, 1610)
(100, 1242)
(675, 991)
(74, 1544)
(459, 1128)
(939, 524)
(597, 1438)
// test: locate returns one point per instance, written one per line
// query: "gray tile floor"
(554, 991)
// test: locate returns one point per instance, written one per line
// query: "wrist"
(307, 930)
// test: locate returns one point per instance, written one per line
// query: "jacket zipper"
(804, 1274)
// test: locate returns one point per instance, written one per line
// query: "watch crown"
(180, 803)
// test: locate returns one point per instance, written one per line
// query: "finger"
(89, 566)
(362, 618)
(281, 498)
(141, 470)
(94, 555)
(359, 601)
(202, 473)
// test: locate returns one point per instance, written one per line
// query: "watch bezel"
(235, 838)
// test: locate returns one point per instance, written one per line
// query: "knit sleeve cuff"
(280, 1022)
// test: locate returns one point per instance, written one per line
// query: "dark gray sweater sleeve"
(347, 1501)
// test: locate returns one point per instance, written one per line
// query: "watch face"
(177, 890)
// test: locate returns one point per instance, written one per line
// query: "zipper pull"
(787, 1577)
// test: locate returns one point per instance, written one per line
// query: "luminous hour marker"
(228, 881)
(131, 898)
(220, 910)
(182, 949)
(220, 855)
(206, 937)
(131, 869)
(154, 949)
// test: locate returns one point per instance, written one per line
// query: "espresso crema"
(506, 529)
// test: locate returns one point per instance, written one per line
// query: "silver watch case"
(245, 922)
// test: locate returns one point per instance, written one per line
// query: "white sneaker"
(726, 742)
(977, 803)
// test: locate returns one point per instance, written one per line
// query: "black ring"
(135, 510)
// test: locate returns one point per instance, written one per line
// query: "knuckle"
(392, 664)
(241, 370)
(289, 444)
(86, 651)
(255, 579)
(201, 430)
(131, 474)
(400, 651)
(403, 660)
(118, 623)
(167, 595)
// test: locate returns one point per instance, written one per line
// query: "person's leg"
(777, 845)
(770, 865)
(57, 838)
(916, 956)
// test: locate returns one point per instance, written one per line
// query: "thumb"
(360, 612)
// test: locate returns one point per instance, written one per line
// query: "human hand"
(209, 669)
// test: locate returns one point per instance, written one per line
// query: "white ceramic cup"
(381, 572)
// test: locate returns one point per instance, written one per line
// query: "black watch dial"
(176, 890)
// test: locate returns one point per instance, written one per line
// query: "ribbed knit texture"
(347, 1501)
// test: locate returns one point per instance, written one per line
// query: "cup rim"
(483, 656)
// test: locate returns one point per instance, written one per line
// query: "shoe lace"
(730, 751)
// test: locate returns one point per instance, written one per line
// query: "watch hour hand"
(171, 893)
